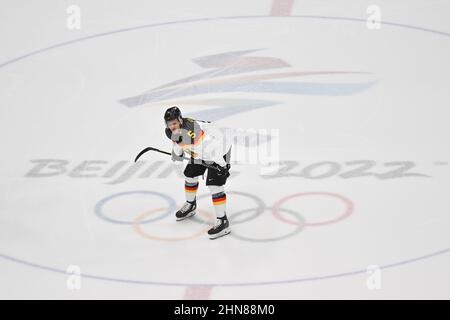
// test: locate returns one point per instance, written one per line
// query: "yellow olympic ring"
(139, 231)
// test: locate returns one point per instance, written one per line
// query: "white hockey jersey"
(203, 141)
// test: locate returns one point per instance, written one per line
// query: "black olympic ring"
(299, 227)
(259, 209)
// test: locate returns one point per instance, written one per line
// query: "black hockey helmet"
(173, 113)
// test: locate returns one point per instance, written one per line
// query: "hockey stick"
(168, 153)
(149, 149)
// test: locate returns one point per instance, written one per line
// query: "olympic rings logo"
(207, 218)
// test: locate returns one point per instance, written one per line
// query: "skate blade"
(222, 233)
(185, 217)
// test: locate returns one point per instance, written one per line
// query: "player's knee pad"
(191, 180)
(216, 189)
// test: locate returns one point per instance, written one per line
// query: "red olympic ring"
(347, 212)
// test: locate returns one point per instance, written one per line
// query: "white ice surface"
(64, 103)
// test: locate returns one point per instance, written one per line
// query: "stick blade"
(142, 152)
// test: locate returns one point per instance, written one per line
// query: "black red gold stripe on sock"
(188, 187)
(219, 198)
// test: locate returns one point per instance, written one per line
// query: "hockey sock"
(190, 188)
(219, 201)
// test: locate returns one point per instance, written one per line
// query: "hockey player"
(205, 144)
